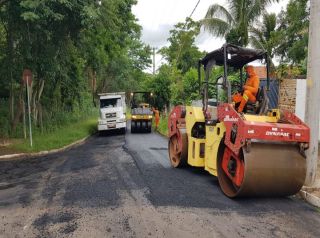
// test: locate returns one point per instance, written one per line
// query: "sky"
(157, 18)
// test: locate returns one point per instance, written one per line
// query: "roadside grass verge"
(163, 126)
(59, 138)
(128, 114)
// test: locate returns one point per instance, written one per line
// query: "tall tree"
(293, 27)
(64, 42)
(265, 35)
(182, 50)
(233, 23)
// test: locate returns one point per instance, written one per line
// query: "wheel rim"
(174, 151)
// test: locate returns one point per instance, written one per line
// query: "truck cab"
(112, 112)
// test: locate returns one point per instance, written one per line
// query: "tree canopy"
(75, 49)
(233, 22)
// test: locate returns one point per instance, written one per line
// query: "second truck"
(141, 111)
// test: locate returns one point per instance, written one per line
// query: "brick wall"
(287, 94)
(261, 71)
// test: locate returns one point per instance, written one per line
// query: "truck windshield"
(110, 102)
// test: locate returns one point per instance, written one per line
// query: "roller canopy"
(239, 56)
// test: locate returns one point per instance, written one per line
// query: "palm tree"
(264, 35)
(233, 23)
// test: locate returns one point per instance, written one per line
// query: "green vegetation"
(294, 31)
(177, 81)
(284, 36)
(75, 50)
(234, 22)
(163, 126)
(60, 137)
(265, 36)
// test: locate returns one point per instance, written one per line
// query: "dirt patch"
(5, 146)
(4, 142)
(5, 150)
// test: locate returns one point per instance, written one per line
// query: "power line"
(194, 9)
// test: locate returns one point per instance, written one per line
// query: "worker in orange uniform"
(156, 116)
(250, 89)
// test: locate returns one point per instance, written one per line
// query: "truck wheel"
(149, 126)
(123, 130)
(138, 126)
(143, 126)
(133, 126)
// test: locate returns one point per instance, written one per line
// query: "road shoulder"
(41, 153)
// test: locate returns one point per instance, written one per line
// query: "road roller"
(141, 112)
(259, 152)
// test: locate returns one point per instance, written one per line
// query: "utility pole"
(154, 60)
(313, 91)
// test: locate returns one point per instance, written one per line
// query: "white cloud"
(156, 37)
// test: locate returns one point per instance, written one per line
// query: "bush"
(4, 118)
(53, 119)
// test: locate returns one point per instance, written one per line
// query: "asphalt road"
(123, 186)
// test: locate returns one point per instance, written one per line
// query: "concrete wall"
(300, 98)
(292, 96)
(300, 93)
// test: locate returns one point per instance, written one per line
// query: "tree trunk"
(19, 110)
(10, 64)
(39, 106)
(24, 119)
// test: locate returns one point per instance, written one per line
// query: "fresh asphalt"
(123, 186)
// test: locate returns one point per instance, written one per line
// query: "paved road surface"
(123, 186)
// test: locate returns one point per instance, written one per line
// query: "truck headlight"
(150, 117)
(134, 117)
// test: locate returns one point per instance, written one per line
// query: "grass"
(128, 114)
(59, 138)
(163, 126)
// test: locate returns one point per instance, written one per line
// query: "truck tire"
(138, 126)
(143, 126)
(133, 126)
(149, 126)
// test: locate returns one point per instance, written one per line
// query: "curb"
(46, 152)
(310, 198)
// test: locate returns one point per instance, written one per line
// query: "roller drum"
(178, 148)
(269, 170)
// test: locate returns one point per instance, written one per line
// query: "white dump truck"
(112, 112)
